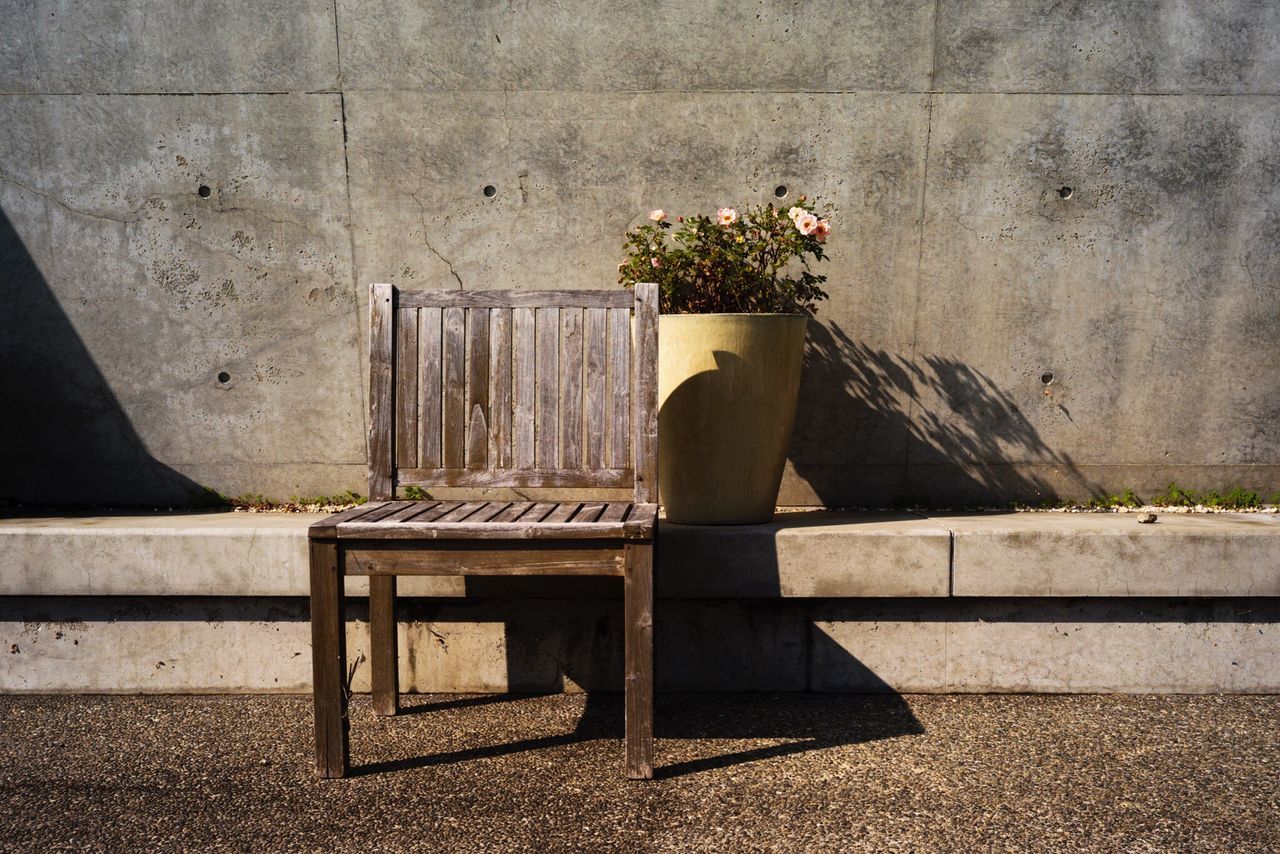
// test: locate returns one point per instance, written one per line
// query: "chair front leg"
(329, 659)
(382, 644)
(638, 608)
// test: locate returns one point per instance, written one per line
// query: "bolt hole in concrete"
(490, 191)
(780, 191)
(1046, 377)
(224, 377)
(204, 191)
(1066, 192)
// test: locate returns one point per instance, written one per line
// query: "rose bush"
(753, 262)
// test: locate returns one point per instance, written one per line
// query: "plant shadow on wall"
(64, 429)
(874, 429)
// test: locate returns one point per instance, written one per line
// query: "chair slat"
(617, 403)
(518, 478)
(571, 387)
(490, 510)
(548, 381)
(410, 510)
(436, 512)
(454, 387)
(588, 513)
(477, 388)
(593, 389)
(513, 512)
(611, 298)
(615, 511)
(391, 507)
(500, 388)
(644, 384)
(524, 388)
(538, 512)
(406, 349)
(562, 512)
(381, 393)
(462, 511)
(430, 388)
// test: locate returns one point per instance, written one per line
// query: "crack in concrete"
(267, 217)
(127, 219)
(422, 220)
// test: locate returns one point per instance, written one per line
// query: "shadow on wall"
(874, 429)
(65, 435)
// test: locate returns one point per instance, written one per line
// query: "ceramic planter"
(727, 388)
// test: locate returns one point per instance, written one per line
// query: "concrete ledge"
(820, 554)
(1110, 554)
(1062, 645)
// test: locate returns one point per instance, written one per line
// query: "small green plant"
(754, 262)
(1175, 496)
(1237, 498)
(1111, 502)
(415, 493)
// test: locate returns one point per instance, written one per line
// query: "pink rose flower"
(655, 262)
(795, 212)
(726, 216)
(807, 223)
(657, 215)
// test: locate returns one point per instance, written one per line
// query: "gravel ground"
(736, 772)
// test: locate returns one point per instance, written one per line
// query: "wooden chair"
(482, 389)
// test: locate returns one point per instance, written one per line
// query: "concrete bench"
(816, 600)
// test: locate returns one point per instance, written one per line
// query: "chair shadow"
(807, 722)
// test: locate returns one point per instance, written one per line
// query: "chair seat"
(489, 520)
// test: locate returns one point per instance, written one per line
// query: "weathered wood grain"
(571, 388)
(500, 388)
(445, 557)
(611, 298)
(615, 511)
(618, 404)
(587, 513)
(383, 665)
(455, 417)
(457, 514)
(548, 387)
(477, 388)
(593, 389)
(406, 387)
(381, 392)
(328, 526)
(524, 388)
(429, 410)
(329, 660)
(493, 531)
(519, 478)
(513, 512)
(638, 659)
(644, 432)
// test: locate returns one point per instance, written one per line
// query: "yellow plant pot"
(727, 387)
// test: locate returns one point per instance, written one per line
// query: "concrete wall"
(991, 333)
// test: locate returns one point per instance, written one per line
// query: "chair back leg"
(382, 644)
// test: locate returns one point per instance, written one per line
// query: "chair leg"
(382, 644)
(329, 659)
(638, 609)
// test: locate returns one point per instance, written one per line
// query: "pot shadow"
(66, 439)
(875, 429)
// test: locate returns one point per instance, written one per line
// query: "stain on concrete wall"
(1055, 269)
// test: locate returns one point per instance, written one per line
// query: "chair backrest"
(524, 389)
